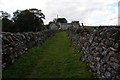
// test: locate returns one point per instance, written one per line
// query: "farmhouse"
(54, 26)
(63, 26)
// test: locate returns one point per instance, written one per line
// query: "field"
(56, 58)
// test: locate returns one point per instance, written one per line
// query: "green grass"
(54, 59)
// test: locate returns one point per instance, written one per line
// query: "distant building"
(54, 26)
(63, 26)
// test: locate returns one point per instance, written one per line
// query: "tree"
(4, 14)
(60, 20)
(50, 22)
(15, 14)
(37, 13)
(75, 22)
(47, 26)
(7, 25)
(28, 20)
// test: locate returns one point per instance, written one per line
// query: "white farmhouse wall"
(53, 26)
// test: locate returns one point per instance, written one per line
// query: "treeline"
(29, 20)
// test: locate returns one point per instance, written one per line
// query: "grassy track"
(54, 59)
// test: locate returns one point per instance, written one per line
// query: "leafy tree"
(60, 20)
(4, 14)
(15, 15)
(28, 20)
(7, 25)
(75, 22)
(37, 13)
(50, 22)
(47, 27)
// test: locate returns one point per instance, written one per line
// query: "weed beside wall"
(101, 49)
(16, 44)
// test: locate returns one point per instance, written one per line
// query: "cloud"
(94, 12)
(12, 5)
(112, 19)
(88, 12)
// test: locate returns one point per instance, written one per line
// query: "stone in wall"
(101, 49)
(16, 44)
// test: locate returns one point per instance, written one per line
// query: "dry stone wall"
(16, 44)
(101, 49)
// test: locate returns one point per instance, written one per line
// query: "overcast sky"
(89, 12)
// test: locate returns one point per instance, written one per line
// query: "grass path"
(54, 59)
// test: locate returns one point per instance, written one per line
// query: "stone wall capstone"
(101, 49)
(16, 44)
